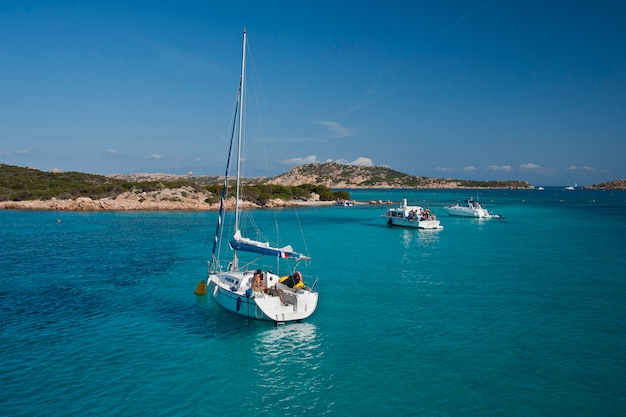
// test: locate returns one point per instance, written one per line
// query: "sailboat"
(244, 285)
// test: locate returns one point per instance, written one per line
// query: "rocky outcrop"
(184, 199)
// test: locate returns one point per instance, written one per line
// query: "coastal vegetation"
(27, 184)
(19, 184)
(24, 184)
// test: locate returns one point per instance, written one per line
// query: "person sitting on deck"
(257, 281)
(293, 281)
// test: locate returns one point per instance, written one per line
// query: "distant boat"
(471, 208)
(344, 203)
(540, 188)
(244, 286)
(411, 216)
(570, 188)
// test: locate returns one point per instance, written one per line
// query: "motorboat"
(470, 208)
(411, 216)
(343, 203)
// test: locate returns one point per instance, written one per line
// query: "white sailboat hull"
(230, 291)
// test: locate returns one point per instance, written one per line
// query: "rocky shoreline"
(167, 199)
(170, 199)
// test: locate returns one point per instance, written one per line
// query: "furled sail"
(240, 243)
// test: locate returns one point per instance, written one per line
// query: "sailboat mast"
(241, 116)
(239, 137)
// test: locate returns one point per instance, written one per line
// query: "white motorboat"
(571, 188)
(470, 208)
(411, 216)
(246, 286)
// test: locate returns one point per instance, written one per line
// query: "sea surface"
(524, 316)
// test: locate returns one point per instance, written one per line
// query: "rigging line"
(220, 218)
(306, 247)
(260, 103)
(255, 91)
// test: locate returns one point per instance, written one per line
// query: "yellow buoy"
(201, 288)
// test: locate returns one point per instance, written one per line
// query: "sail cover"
(248, 245)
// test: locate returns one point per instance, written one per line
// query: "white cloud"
(362, 161)
(335, 129)
(312, 159)
(530, 165)
(500, 167)
(445, 169)
(583, 168)
(111, 151)
(153, 156)
(18, 152)
(294, 162)
(469, 168)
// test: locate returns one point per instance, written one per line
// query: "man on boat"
(257, 281)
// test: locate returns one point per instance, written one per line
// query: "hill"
(334, 175)
(611, 185)
(22, 184)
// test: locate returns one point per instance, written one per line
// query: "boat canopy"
(240, 243)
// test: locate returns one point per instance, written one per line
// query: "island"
(30, 189)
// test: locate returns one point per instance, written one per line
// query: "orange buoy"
(201, 288)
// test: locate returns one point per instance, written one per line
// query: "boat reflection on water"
(294, 344)
(428, 237)
(423, 238)
(288, 359)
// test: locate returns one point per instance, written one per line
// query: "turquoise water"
(517, 317)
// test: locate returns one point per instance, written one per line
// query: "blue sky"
(528, 90)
